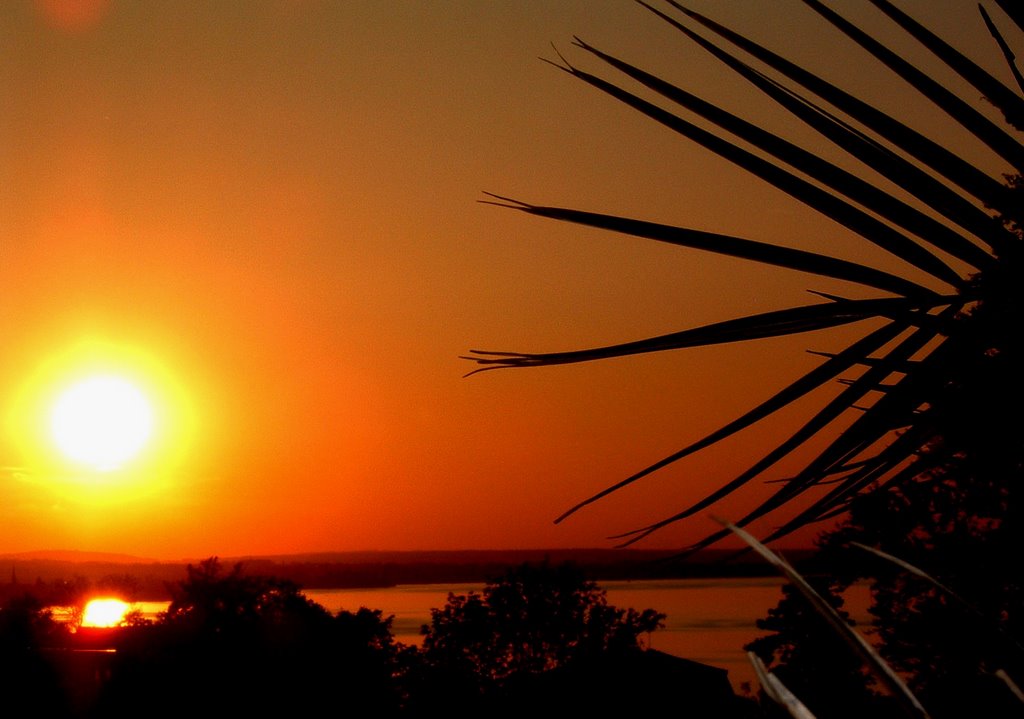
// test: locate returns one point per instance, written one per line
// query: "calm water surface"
(708, 620)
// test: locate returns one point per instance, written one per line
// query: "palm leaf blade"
(761, 252)
(831, 206)
(984, 129)
(768, 324)
(809, 382)
(931, 153)
(867, 429)
(861, 191)
(1001, 96)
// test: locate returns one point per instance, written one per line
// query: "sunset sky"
(264, 215)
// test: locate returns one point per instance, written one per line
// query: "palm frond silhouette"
(927, 383)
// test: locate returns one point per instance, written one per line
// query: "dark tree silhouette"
(959, 521)
(949, 632)
(123, 586)
(812, 662)
(236, 644)
(213, 601)
(27, 678)
(532, 620)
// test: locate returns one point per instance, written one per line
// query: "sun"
(101, 422)
(98, 423)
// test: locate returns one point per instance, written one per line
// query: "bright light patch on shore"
(104, 613)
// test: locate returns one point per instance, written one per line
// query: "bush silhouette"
(532, 620)
(234, 644)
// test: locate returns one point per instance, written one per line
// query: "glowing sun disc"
(104, 613)
(101, 422)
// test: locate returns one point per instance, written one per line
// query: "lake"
(708, 620)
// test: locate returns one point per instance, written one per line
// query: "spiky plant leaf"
(1010, 684)
(997, 93)
(769, 324)
(874, 425)
(1003, 47)
(762, 252)
(777, 691)
(989, 623)
(828, 204)
(835, 178)
(871, 153)
(872, 659)
(1014, 10)
(940, 159)
(809, 382)
(914, 368)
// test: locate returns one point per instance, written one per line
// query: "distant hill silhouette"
(74, 555)
(325, 570)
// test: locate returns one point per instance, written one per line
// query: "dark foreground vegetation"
(912, 444)
(539, 638)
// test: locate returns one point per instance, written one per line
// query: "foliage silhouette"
(923, 385)
(948, 612)
(812, 661)
(924, 462)
(533, 620)
(213, 602)
(236, 644)
(123, 586)
(27, 678)
(239, 644)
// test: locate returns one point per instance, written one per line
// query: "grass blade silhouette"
(777, 691)
(872, 659)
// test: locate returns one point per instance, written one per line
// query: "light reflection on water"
(708, 620)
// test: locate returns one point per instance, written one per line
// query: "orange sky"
(267, 212)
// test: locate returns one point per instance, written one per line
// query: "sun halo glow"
(80, 491)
